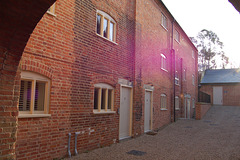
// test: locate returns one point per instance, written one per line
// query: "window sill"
(104, 112)
(106, 39)
(163, 109)
(34, 115)
(164, 28)
(164, 70)
(177, 109)
(52, 14)
(177, 41)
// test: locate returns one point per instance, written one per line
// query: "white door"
(188, 108)
(147, 112)
(124, 124)
(217, 95)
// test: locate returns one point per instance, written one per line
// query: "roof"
(236, 4)
(221, 76)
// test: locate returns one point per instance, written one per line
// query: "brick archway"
(18, 20)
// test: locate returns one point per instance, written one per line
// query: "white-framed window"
(193, 79)
(193, 56)
(163, 62)
(177, 36)
(103, 98)
(177, 103)
(51, 10)
(34, 94)
(193, 103)
(106, 26)
(163, 102)
(177, 78)
(184, 74)
(164, 21)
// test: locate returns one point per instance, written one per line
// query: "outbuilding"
(223, 85)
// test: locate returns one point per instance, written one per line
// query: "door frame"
(130, 108)
(151, 109)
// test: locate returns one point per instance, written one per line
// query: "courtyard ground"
(215, 137)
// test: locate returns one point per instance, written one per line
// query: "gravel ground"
(216, 136)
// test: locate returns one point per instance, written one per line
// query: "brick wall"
(202, 109)
(149, 47)
(66, 49)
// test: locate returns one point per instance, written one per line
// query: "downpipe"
(76, 134)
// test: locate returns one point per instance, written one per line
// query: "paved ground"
(217, 136)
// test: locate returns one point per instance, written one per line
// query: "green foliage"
(210, 50)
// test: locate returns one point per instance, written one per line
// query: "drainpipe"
(76, 134)
(69, 139)
(174, 72)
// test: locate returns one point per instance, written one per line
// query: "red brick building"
(104, 71)
(222, 85)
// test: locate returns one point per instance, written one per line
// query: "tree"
(210, 50)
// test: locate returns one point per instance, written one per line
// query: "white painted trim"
(151, 108)
(163, 109)
(106, 39)
(131, 109)
(127, 86)
(103, 85)
(103, 112)
(33, 115)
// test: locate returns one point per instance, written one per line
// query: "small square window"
(34, 94)
(176, 78)
(163, 102)
(177, 103)
(103, 98)
(163, 62)
(164, 21)
(193, 80)
(193, 103)
(106, 26)
(184, 74)
(193, 56)
(177, 36)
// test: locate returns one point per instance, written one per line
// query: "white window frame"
(164, 22)
(34, 77)
(184, 75)
(193, 103)
(164, 62)
(177, 103)
(106, 87)
(193, 56)
(193, 80)
(163, 102)
(177, 78)
(177, 36)
(109, 20)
